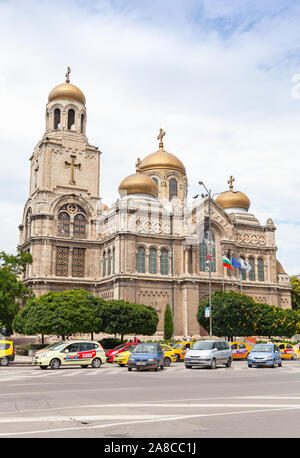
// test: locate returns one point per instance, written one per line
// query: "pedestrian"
(3, 331)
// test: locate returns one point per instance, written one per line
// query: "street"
(111, 402)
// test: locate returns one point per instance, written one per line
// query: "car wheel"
(162, 366)
(55, 363)
(122, 365)
(249, 365)
(43, 367)
(228, 364)
(96, 363)
(274, 363)
(188, 366)
(167, 362)
(129, 369)
(294, 356)
(177, 358)
(4, 361)
(213, 364)
(280, 363)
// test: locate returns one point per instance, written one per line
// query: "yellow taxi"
(180, 349)
(288, 351)
(170, 355)
(240, 350)
(7, 352)
(122, 358)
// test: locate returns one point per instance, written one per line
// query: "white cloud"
(217, 76)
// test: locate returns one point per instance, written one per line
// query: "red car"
(123, 347)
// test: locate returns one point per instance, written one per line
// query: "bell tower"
(64, 202)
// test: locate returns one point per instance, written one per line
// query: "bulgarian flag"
(227, 263)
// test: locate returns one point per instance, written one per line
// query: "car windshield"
(119, 347)
(203, 345)
(58, 347)
(263, 348)
(54, 345)
(145, 349)
(177, 346)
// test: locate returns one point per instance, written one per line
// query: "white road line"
(158, 419)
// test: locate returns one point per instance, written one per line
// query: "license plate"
(141, 363)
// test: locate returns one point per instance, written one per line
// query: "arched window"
(164, 262)
(152, 261)
(207, 246)
(79, 227)
(243, 271)
(173, 188)
(109, 262)
(252, 271)
(104, 265)
(82, 123)
(141, 256)
(57, 118)
(63, 225)
(71, 119)
(260, 270)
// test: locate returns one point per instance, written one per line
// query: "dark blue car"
(147, 356)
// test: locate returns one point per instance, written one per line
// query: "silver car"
(208, 353)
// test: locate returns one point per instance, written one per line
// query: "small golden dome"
(233, 199)
(67, 91)
(161, 159)
(138, 183)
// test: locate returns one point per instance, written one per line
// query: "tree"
(295, 282)
(61, 313)
(168, 323)
(122, 317)
(12, 290)
(232, 314)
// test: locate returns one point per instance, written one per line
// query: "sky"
(221, 77)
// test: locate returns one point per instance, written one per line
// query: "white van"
(208, 353)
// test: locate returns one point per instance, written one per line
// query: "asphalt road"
(111, 402)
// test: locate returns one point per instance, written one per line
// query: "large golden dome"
(233, 199)
(138, 183)
(161, 159)
(66, 91)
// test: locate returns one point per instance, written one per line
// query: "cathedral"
(150, 246)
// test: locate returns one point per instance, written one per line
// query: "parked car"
(122, 358)
(208, 353)
(240, 350)
(180, 349)
(170, 356)
(147, 356)
(264, 355)
(81, 352)
(110, 354)
(288, 351)
(7, 352)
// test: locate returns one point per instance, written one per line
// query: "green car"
(71, 353)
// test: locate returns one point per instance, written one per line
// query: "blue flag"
(236, 263)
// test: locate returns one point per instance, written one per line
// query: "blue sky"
(219, 76)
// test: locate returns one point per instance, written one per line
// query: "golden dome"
(67, 91)
(161, 159)
(233, 199)
(138, 183)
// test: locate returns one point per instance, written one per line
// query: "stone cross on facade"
(73, 167)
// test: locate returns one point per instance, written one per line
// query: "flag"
(236, 263)
(245, 265)
(227, 263)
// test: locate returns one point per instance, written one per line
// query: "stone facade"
(144, 249)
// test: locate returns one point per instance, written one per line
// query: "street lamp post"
(210, 242)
